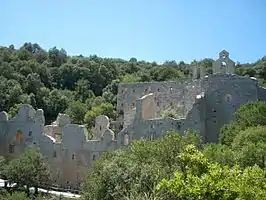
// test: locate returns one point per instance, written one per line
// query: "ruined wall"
(216, 98)
(70, 157)
(129, 92)
(145, 107)
(24, 129)
(55, 129)
(3, 131)
(178, 96)
(224, 95)
(195, 117)
(148, 129)
(145, 125)
(224, 64)
(198, 71)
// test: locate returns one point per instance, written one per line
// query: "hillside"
(83, 87)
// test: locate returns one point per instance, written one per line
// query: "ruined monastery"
(204, 104)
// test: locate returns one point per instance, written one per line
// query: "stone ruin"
(66, 146)
(203, 103)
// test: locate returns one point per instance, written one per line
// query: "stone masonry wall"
(178, 96)
(70, 157)
(216, 98)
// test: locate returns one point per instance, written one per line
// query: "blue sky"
(152, 30)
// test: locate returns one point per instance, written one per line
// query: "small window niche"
(171, 104)
(73, 156)
(93, 157)
(121, 126)
(30, 133)
(54, 154)
(228, 97)
(214, 120)
(121, 112)
(11, 148)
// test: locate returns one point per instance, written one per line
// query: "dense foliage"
(29, 170)
(181, 167)
(82, 87)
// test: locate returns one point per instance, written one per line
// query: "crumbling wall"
(23, 130)
(128, 93)
(101, 125)
(148, 129)
(145, 125)
(218, 96)
(145, 107)
(55, 129)
(69, 157)
(224, 95)
(3, 132)
(198, 71)
(168, 95)
(78, 153)
(194, 119)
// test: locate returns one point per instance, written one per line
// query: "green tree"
(214, 181)
(222, 154)
(136, 169)
(30, 169)
(250, 146)
(76, 111)
(248, 115)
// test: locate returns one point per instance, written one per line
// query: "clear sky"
(152, 30)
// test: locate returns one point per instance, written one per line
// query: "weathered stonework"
(204, 104)
(224, 64)
(65, 145)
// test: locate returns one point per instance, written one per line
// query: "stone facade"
(204, 104)
(65, 145)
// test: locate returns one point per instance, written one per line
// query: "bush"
(136, 169)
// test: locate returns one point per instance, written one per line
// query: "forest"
(172, 167)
